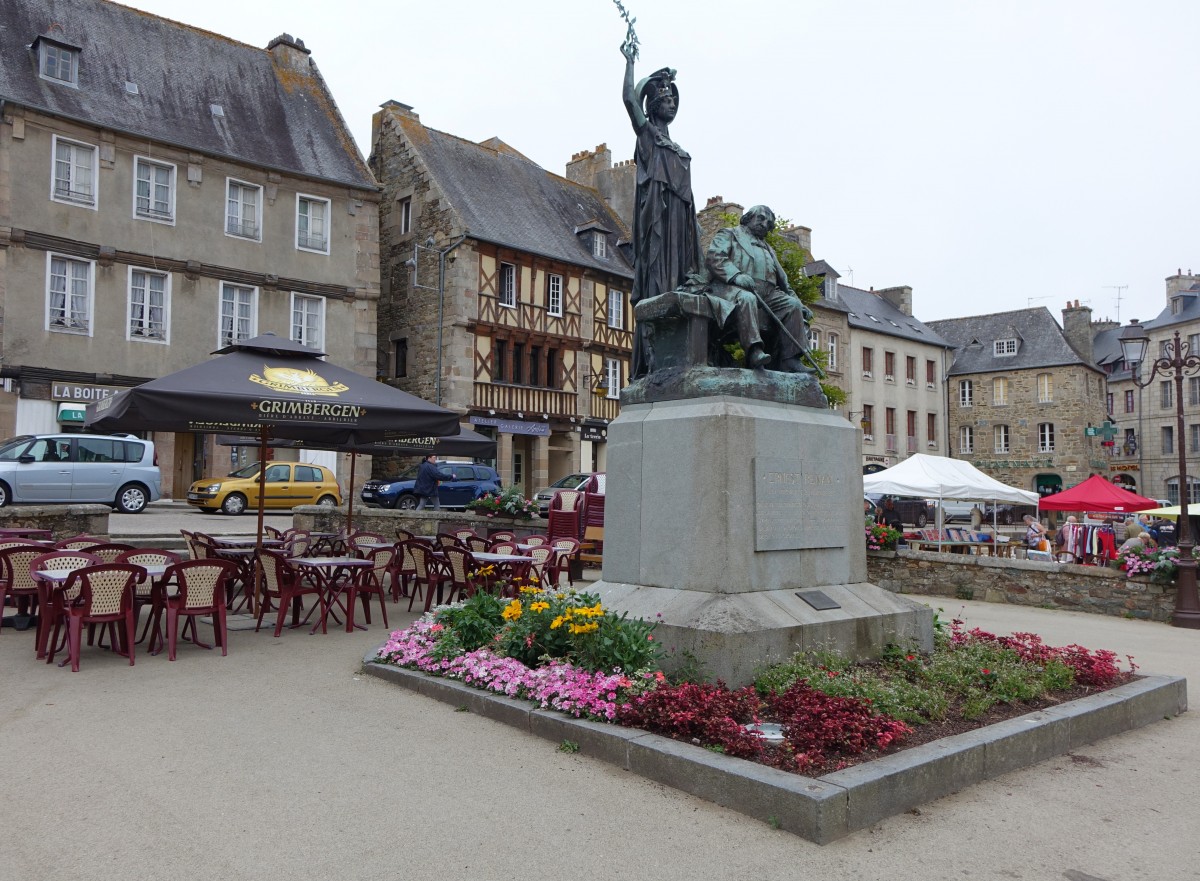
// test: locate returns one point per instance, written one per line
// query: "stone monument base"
(721, 509)
(734, 636)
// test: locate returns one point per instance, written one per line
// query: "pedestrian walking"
(426, 486)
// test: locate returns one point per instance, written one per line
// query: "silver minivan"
(117, 470)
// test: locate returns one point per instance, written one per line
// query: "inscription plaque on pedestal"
(793, 501)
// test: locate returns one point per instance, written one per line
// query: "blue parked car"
(462, 483)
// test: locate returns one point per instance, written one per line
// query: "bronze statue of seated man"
(767, 314)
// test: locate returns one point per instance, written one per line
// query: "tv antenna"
(1118, 288)
(850, 272)
(1029, 300)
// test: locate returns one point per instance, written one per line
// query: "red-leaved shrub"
(1092, 667)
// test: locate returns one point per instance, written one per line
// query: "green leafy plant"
(509, 503)
(568, 746)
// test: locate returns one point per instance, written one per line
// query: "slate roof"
(504, 198)
(869, 311)
(1040, 341)
(1189, 311)
(273, 116)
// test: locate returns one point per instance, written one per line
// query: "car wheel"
(406, 502)
(132, 499)
(922, 519)
(327, 502)
(5, 497)
(235, 503)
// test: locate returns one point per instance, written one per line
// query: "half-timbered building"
(504, 295)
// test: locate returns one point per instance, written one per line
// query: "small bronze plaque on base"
(818, 599)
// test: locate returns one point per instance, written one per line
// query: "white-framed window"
(554, 295)
(508, 285)
(1045, 437)
(616, 308)
(966, 393)
(1166, 392)
(1193, 388)
(999, 392)
(1168, 439)
(59, 63)
(966, 439)
(70, 292)
(832, 347)
(74, 173)
(1193, 491)
(308, 321)
(1194, 438)
(312, 223)
(868, 358)
(149, 305)
(1000, 436)
(1001, 348)
(153, 190)
(612, 375)
(599, 244)
(243, 210)
(814, 339)
(238, 318)
(405, 215)
(1045, 385)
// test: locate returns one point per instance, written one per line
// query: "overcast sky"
(992, 156)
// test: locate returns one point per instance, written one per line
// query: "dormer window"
(599, 245)
(1002, 348)
(58, 61)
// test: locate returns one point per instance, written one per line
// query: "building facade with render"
(165, 191)
(504, 295)
(1145, 455)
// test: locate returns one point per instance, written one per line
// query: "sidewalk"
(280, 761)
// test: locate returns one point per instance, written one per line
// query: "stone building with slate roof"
(504, 295)
(1021, 397)
(164, 190)
(1145, 456)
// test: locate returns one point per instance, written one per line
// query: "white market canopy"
(939, 477)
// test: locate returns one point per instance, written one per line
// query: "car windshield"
(245, 471)
(571, 480)
(14, 446)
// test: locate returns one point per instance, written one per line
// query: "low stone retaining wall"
(424, 522)
(64, 521)
(1096, 589)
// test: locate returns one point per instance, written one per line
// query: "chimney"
(899, 297)
(715, 216)
(287, 51)
(1180, 281)
(1077, 328)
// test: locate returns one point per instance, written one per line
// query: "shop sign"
(79, 392)
(593, 433)
(877, 460)
(1124, 467)
(513, 426)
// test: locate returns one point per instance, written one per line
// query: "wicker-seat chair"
(199, 591)
(100, 594)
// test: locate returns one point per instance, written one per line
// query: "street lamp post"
(1176, 361)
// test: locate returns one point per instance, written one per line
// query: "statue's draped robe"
(666, 235)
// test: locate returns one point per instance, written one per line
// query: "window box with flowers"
(509, 503)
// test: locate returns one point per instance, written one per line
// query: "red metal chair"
(283, 584)
(100, 594)
(49, 599)
(199, 590)
(368, 583)
(430, 573)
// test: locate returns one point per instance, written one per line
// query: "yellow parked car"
(287, 484)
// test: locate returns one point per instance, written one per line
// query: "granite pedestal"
(725, 516)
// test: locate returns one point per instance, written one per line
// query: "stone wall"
(426, 522)
(64, 521)
(1095, 589)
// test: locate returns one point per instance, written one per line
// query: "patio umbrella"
(272, 387)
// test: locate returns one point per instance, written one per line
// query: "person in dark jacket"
(426, 486)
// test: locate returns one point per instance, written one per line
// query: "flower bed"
(563, 651)
(1159, 564)
(509, 503)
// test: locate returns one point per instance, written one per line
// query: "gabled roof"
(273, 116)
(869, 311)
(503, 198)
(1042, 343)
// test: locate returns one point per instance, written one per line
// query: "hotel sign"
(81, 393)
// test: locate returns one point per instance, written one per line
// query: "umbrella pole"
(262, 495)
(350, 498)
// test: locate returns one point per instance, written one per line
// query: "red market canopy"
(1096, 494)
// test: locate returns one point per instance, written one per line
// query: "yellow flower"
(530, 590)
(556, 623)
(533, 578)
(512, 611)
(539, 606)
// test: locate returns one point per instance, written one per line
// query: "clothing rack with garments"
(1088, 543)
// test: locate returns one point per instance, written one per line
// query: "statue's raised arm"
(628, 92)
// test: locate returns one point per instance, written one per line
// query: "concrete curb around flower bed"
(830, 807)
